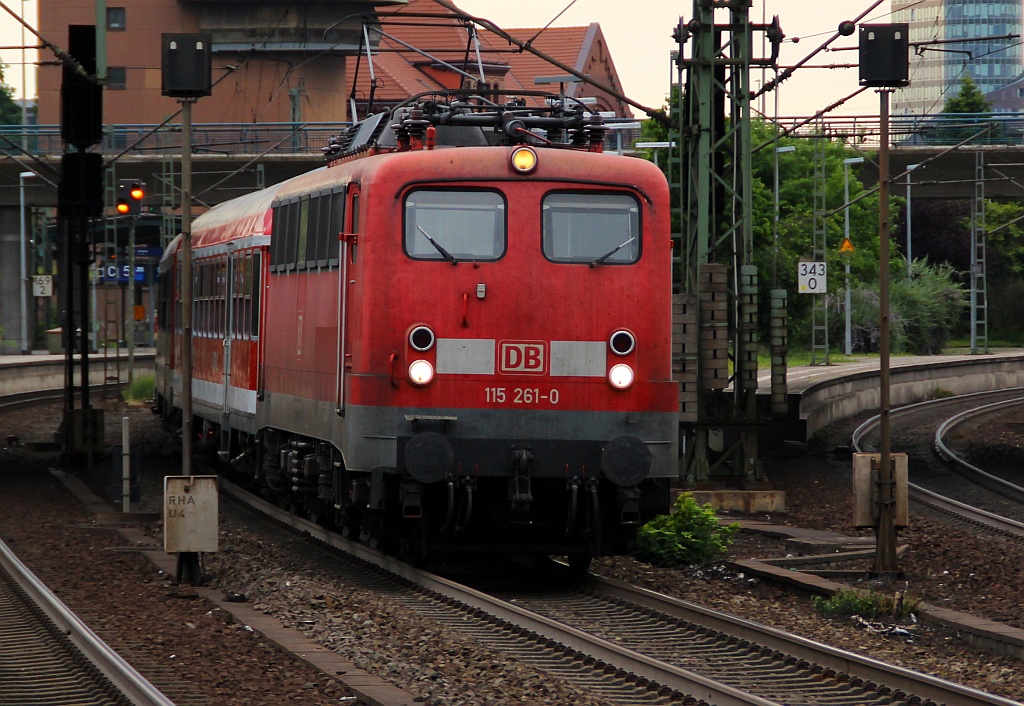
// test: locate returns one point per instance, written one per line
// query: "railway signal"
(130, 194)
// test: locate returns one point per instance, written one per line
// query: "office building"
(949, 38)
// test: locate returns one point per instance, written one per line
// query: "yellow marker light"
(524, 159)
(421, 372)
(620, 376)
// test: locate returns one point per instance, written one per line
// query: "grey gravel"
(945, 566)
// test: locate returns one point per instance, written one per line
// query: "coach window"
(163, 307)
(208, 298)
(454, 225)
(591, 228)
(198, 298)
(222, 297)
(255, 295)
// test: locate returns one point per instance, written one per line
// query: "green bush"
(141, 388)
(690, 535)
(866, 604)
(924, 312)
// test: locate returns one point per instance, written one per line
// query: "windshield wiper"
(437, 246)
(611, 252)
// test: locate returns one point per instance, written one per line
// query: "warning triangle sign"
(847, 246)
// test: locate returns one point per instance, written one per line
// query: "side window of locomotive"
(315, 234)
(291, 235)
(590, 228)
(302, 233)
(459, 225)
(277, 237)
(335, 214)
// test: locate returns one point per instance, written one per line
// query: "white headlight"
(421, 372)
(621, 376)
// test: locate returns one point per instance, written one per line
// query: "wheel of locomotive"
(580, 563)
(413, 544)
(378, 532)
(348, 520)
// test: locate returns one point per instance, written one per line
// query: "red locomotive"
(454, 337)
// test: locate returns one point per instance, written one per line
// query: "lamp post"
(775, 218)
(848, 340)
(910, 258)
(24, 268)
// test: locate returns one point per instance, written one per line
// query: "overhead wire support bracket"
(845, 30)
(653, 113)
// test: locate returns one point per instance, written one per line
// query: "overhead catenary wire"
(868, 192)
(654, 113)
(783, 75)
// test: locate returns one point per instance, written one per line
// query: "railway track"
(49, 656)
(623, 681)
(633, 646)
(989, 503)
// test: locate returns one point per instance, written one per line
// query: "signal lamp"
(620, 376)
(421, 372)
(421, 338)
(622, 342)
(130, 194)
(524, 159)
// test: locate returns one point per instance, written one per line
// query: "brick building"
(277, 61)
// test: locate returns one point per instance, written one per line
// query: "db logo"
(521, 357)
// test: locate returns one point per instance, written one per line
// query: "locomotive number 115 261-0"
(520, 395)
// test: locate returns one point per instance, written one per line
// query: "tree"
(10, 111)
(797, 222)
(969, 103)
(970, 99)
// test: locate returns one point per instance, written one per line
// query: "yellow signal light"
(122, 207)
(137, 193)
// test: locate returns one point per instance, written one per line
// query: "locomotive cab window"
(591, 228)
(455, 225)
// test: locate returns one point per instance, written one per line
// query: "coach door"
(344, 247)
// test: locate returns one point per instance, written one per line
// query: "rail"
(121, 674)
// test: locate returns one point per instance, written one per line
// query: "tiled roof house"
(446, 50)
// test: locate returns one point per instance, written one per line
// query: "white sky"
(639, 37)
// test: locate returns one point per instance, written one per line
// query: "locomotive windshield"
(454, 225)
(591, 228)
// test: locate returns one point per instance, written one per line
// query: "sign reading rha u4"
(811, 277)
(190, 514)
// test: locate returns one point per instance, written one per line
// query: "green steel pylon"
(716, 200)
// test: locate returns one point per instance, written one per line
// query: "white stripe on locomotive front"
(476, 356)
